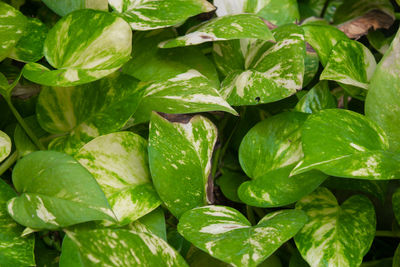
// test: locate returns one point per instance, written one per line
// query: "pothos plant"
(199, 133)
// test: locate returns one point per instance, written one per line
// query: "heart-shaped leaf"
(208, 228)
(5, 146)
(153, 223)
(107, 48)
(335, 235)
(187, 92)
(224, 28)
(13, 25)
(14, 249)
(119, 163)
(87, 111)
(267, 154)
(383, 99)
(346, 144)
(268, 78)
(63, 7)
(117, 247)
(318, 98)
(55, 191)
(180, 161)
(146, 15)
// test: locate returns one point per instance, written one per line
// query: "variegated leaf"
(268, 77)
(117, 247)
(14, 249)
(118, 162)
(346, 144)
(335, 235)
(55, 191)
(318, 98)
(187, 92)
(5, 146)
(224, 28)
(151, 63)
(229, 56)
(180, 161)
(229, 7)
(311, 66)
(146, 15)
(379, 41)
(323, 38)
(87, 111)
(208, 228)
(108, 48)
(63, 7)
(30, 46)
(383, 99)
(267, 154)
(153, 223)
(351, 64)
(12, 28)
(23, 143)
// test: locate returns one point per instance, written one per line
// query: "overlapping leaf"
(318, 98)
(119, 163)
(107, 48)
(267, 154)
(180, 161)
(335, 235)
(146, 15)
(63, 7)
(209, 227)
(346, 144)
(87, 111)
(5, 146)
(55, 191)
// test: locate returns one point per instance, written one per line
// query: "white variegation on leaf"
(318, 98)
(55, 191)
(223, 28)
(117, 247)
(5, 146)
(188, 92)
(146, 15)
(343, 143)
(118, 162)
(63, 7)
(107, 49)
(335, 235)
(180, 161)
(209, 228)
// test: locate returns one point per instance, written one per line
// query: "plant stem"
(388, 234)
(9, 162)
(25, 126)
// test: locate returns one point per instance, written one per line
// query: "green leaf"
(107, 48)
(396, 204)
(5, 146)
(229, 183)
(346, 144)
(309, 8)
(146, 15)
(14, 249)
(63, 7)
(30, 46)
(272, 10)
(396, 257)
(383, 99)
(268, 77)
(153, 222)
(311, 65)
(118, 162)
(151, 63)
(13, 25)
(267, 154)
(55, 191)
(224, 28)
(379, 41)
(228, 55)
(350, 63)
(117, 247)
(335, 235)
(188, 92)
(318, 98)
(87, 111)
(23, 143)
(208, 228)
(180, 161)
(323, 38)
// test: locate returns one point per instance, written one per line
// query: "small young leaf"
(118, 162)
(55, 191)
(208, 228)
(335, 235)
(180, 161)
(318, 98)
(5, 146)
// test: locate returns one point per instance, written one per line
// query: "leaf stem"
(8, 162)
(25, 126)
(388, 234)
